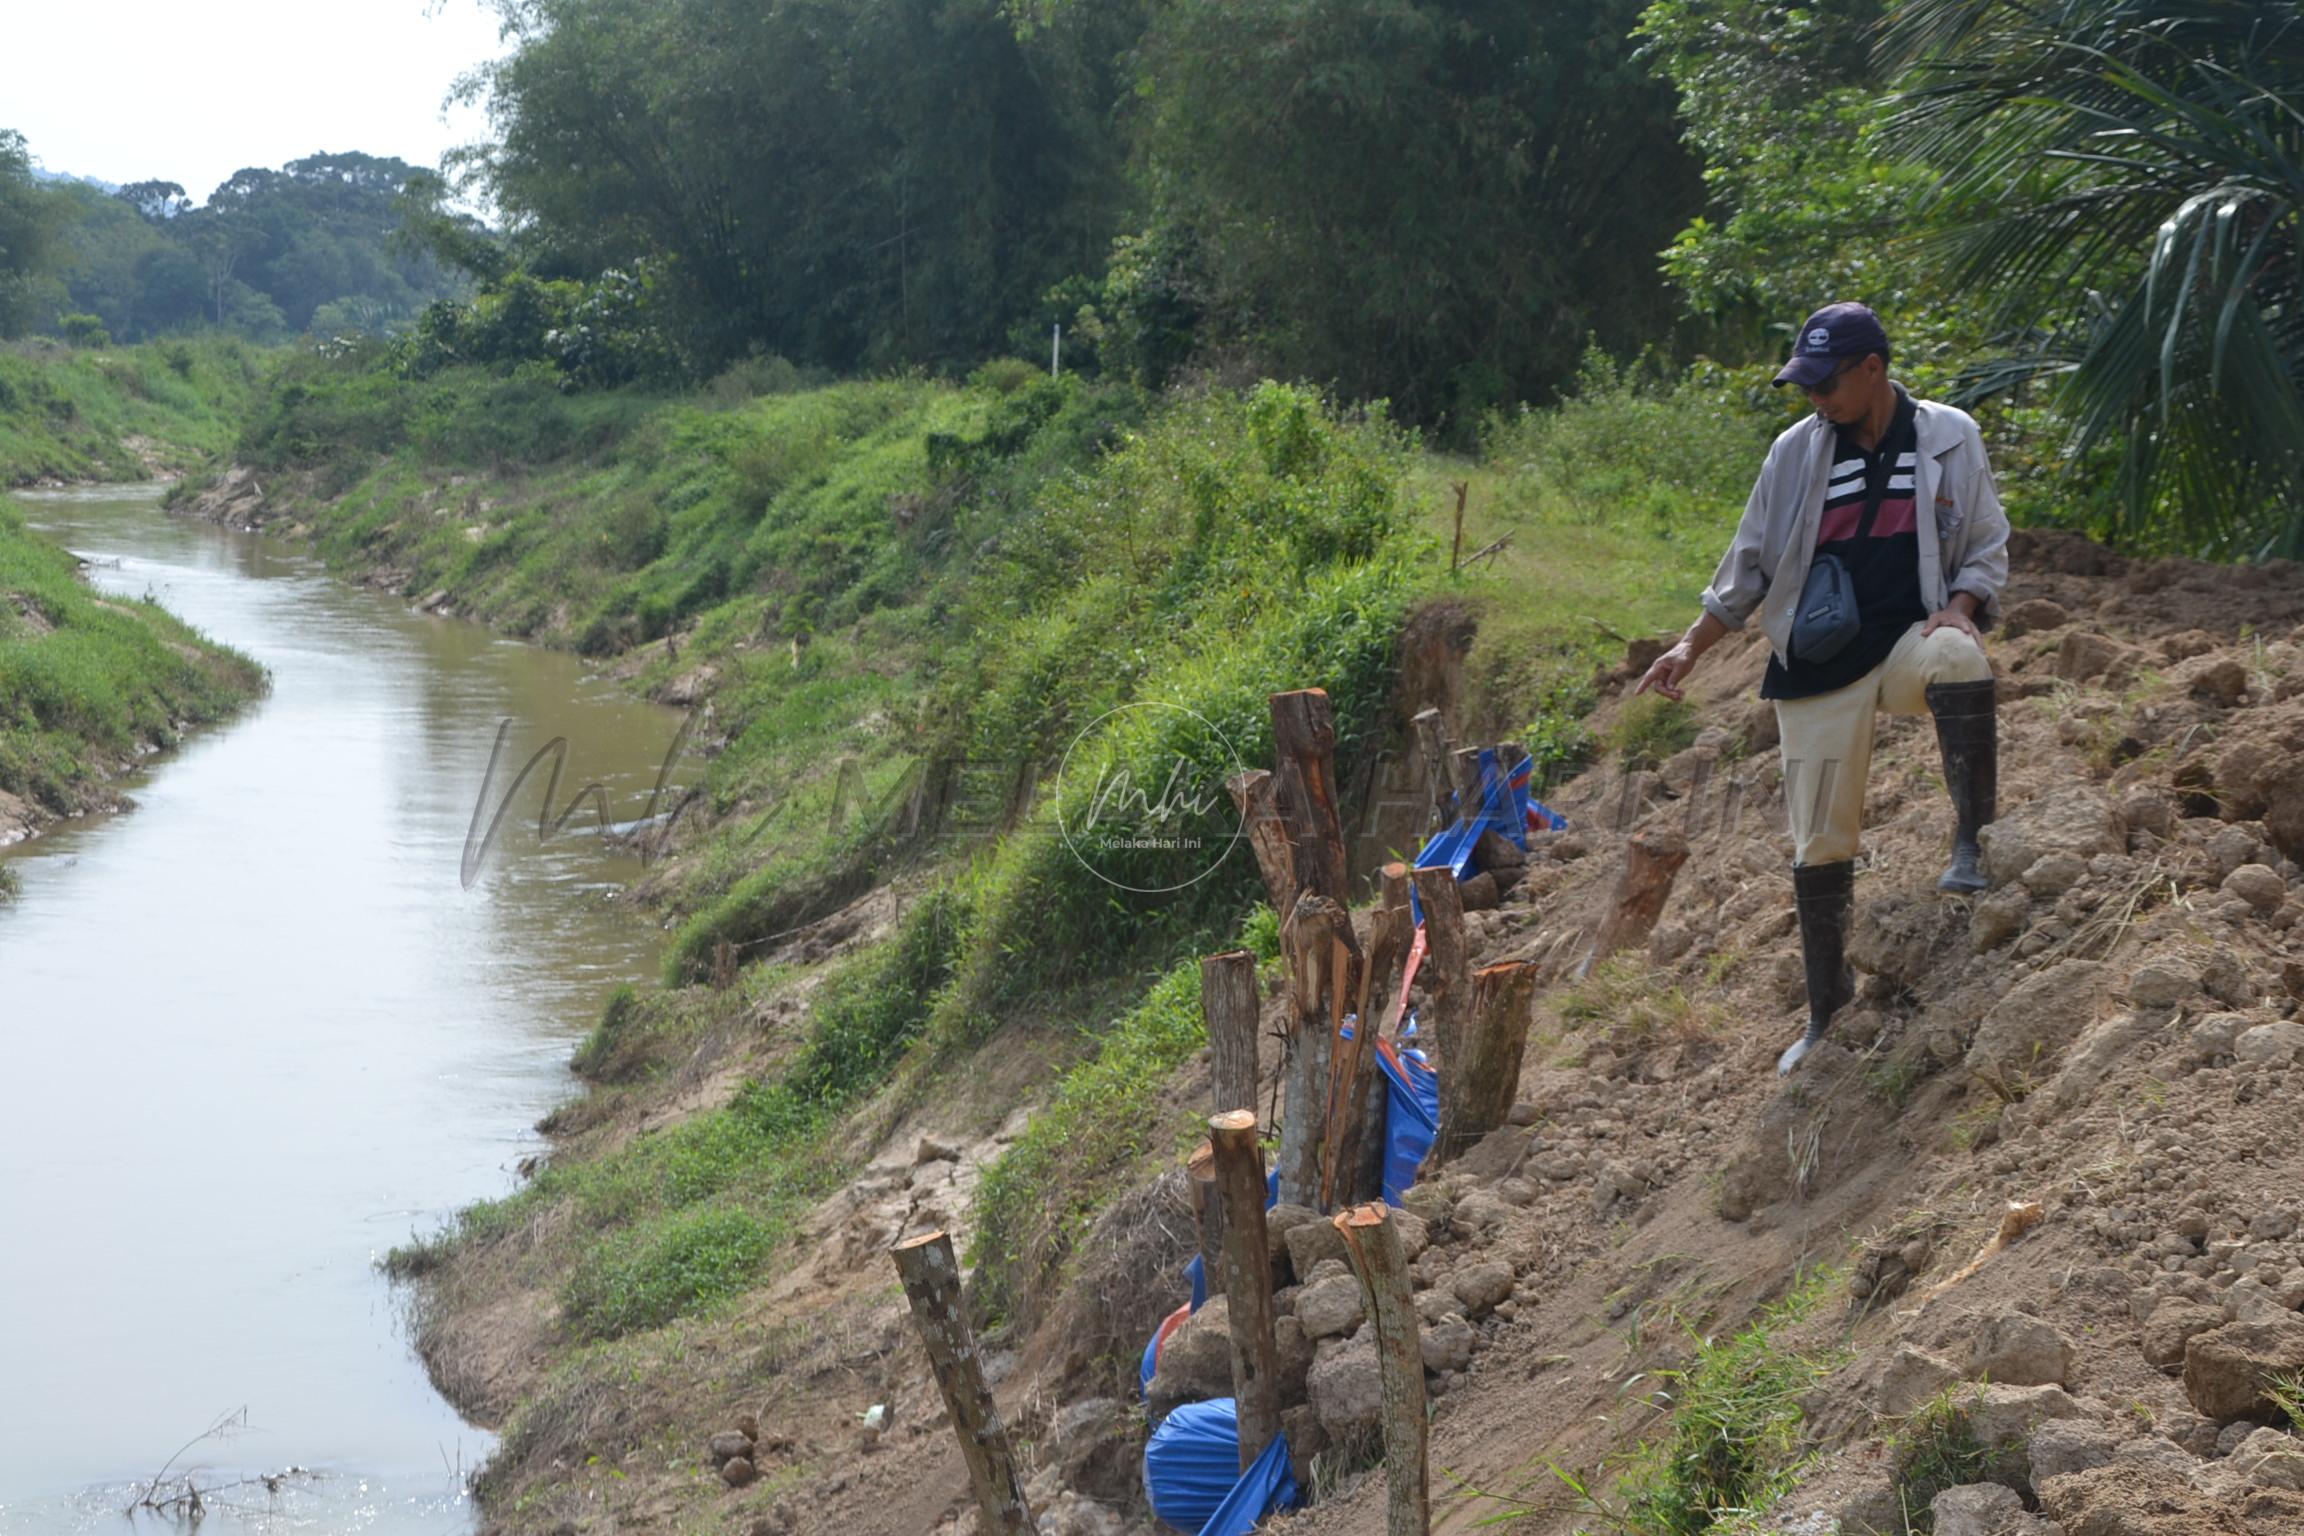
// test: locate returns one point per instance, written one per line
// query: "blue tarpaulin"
(1411, 1118)
(1192, 1473)
(1505, 807)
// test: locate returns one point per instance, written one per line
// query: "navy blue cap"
(1834, 332)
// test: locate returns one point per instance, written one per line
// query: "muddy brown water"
(258, 1030)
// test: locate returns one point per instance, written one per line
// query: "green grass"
(74, 414)
(1099, 1124)
(87, 682)
(1733, 1445)
(1935, 1449)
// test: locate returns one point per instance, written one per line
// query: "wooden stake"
(1468, 788)
(1229, 1002)
(1447, 962)
(1479, 1082)
(1257, 795)
(1652, 862)
(1374, 1244)
(932, 1283)
(1304, 750)
(1323, 974)
(1432, 738)
(1247, 1280)
(1207, 1215)
(1463, 488)
(1391, 933)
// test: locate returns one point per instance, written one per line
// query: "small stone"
(2053, 874)
(729, 1444)
(1330, 1307)
(2212, 1037)
(1976, 1509)
(2233, 1435)
(2162, 983)
(1347, 1388)
(2020, 1351)
(1415, 1235)
(2250, 1300)
(1447, 1345)
(737, 1471)
(1911, 1378)
(2271, 1459)
(1436, 1305)
(2270, 1045)
(2226, 1369)
(1999, 917)
(2064, 1446)
(1311, 1243)
(1480, 1286)
(2002, 1416)
(932, 1150)
(2272, 1226)
(2260, 887)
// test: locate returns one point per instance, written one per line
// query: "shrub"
(83, 330)
(1650, 729)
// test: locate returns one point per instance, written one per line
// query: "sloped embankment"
(2108, 1034)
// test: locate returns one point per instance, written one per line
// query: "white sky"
(187, 91)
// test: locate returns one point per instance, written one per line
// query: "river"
(258, 1030)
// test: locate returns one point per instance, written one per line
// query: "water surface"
(257, 1030)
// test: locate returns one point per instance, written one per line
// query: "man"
(1899, 491)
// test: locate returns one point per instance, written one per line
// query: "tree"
(1440, 201)
(2125, 178)
(30, 224)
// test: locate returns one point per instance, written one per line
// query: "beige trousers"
(1827, 739)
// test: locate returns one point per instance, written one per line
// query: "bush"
(83, 330)
(1651, 728)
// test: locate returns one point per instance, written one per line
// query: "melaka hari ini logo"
(1149, 821)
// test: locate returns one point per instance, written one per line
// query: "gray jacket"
(1963, 548)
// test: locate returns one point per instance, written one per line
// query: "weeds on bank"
(1936, 1448)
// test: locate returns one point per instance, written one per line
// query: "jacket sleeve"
(1983, 569)
(1742, 579)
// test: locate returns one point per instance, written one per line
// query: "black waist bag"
(1826, 619)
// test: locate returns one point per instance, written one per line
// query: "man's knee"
(1952, 656)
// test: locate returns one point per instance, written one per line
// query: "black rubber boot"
(1967, 728)
(1823, 893)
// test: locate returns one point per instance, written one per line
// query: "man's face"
(1845, 397)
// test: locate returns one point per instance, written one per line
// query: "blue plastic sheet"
(1411, 1118)
(1192, 1476)
(1268, 1484)
(1191, 1463)
(1505, 806)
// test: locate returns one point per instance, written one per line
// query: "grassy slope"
(120, 413)
(885, 574)
(87, 683)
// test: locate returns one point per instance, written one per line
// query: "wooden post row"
(1374, 1244)
(1247, 1280)
(931, 1279)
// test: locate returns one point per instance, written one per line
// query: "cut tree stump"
(1304, 758)
(1257, 795)
(1374, 1244)
(1247, 1280)
(931, 1279)
(1432, 740)
(1229, 1002)
(1479, 1082)
(1323, 980)
(1447, 960)
(1207, 1213)
(1652, 862)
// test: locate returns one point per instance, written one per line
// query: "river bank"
(854, 588)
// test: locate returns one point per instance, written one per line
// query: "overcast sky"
(190, 92)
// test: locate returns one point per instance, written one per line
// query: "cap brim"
(1806, 371)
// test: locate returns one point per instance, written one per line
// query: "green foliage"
(2121, 180)
(1937, 1448)
(83, 330)
(70, 415)
(1046, 1190)
(852, 185)
(1650, 729)
(87, 682)
(1734, 1441)
(1360, 182)
(665, 1268)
